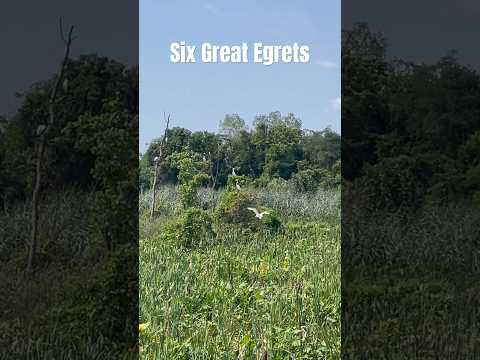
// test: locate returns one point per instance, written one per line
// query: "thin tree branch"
(157, 162)
(41, 149)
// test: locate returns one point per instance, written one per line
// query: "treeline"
(276, 148)
(411, 131)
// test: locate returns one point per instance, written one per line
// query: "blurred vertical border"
(69, 180)
(411, 185)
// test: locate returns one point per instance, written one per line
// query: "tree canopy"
(275, 147)
(408, 126)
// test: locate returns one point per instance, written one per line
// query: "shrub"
(109, 138)
(191, 176)
(192, 230)
(233, 180)
(232, 208)
(306, 180)
(393, 183)
(270, 222)
(116, 304)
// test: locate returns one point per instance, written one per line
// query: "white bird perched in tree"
(233, 172)
(155, 159)
(204, 158)
(258, 214)
(41, 129)
(237, 185)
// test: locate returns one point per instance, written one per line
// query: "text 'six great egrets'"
(180, 52)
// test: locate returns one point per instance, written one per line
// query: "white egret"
(257, 213)
(41, 129)
(237, 185)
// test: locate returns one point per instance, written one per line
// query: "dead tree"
(156, 163)
(43, 132)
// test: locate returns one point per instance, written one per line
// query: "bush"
(393, 183)
(232, 208)
(270, 222)
(192, 230)
(306, 180)
(191, 176)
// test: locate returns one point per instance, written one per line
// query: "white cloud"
(337, 103)
(329, 65)
(212, 9)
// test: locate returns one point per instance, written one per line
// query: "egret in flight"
(258, 214)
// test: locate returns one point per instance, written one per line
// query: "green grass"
(247, 295)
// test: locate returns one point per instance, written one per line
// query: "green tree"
(191, 174)
(232, 125)
(283, 146)
(364, 95)
(112, 139)
(321, 148)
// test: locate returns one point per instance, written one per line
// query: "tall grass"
(323, 205)
(260, 295)
(40, 314)
(431, 242)
(65, 222)
(247, 295)
(410, 282)
(55, 344)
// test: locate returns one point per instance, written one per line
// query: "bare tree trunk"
(157, 161)
(154, 190)
(216, 172)
(35, 198)
(41, 150)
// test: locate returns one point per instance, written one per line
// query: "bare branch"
(164, 138)
(61, 74)
(42, 144)
(62, 35)
(157, 162)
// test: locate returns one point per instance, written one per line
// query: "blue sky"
(199, 95)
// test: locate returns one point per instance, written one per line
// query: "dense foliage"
(97, 87)
(412, 129)
(276, 147)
